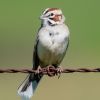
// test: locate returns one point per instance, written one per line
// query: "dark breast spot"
(51, 34)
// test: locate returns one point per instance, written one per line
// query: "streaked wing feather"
(35, 55)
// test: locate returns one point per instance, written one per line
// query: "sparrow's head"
(52, 16)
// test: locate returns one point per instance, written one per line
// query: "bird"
(51, 44)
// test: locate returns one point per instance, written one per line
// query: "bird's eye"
(51, 14)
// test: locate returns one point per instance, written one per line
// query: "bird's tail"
(27, 88)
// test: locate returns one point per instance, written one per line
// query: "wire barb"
(51, 72)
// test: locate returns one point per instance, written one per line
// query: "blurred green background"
(19, 22)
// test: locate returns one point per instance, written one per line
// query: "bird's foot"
(51, 70)
(39, 69)
(59, 71)
(38, 72)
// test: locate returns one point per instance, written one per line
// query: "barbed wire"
(51, 71)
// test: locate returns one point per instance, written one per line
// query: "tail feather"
(28, 87)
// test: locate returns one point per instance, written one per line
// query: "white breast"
(52, 44)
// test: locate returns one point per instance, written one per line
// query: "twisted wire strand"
(50, 70)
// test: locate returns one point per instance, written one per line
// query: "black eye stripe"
(51, 18)
(46, 12)
(51, 14)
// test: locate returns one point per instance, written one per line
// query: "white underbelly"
(52, 54)
(52, 44)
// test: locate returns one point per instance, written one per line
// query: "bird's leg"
(38, 70)
(59, 71)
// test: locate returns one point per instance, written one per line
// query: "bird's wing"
(36, 60)
(67, 44)
(64, 52)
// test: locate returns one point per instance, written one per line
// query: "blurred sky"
(19, 23)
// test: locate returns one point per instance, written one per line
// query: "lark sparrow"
(51, 45)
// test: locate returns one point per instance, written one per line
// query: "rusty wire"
(50, 70)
